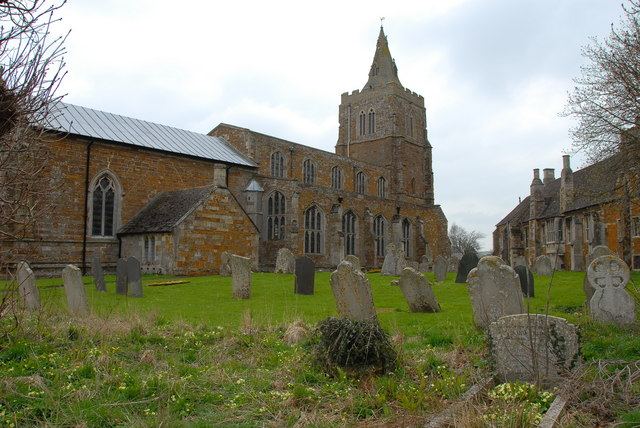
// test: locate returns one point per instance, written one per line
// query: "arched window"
(275, 216)
(374, 69)
(363, 127)
(312, 230)
(104, 206)
(410, 126)
(382, 187)
(309, 172)
(406, 237)
(380, 234)
(277, 164)
(149, 248)
(412, 186)
(349, 230)
(372, 121)
(336, 177)
(360, 182)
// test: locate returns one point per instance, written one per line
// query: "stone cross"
(98, 275)
(468, 262)
(241, 276)
(74, 289)
(285, 262)
(305, 276)
(352, 293)
(611, 303)
(121, 277)
(355, 261)
(440, 268)
(417, 291)
(27, 287)
(134, 277)
(598, 250)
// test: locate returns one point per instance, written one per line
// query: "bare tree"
(462, 241)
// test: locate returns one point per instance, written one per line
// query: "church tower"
(386, 124)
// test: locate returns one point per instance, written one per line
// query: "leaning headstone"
(225, 264)
(134, 277)
(532, 347)
(526, 280)
(543, 266)
(98, 275)
(598, 250)
(468, 262)
(425, 264)
(417, 291)
(121, 277)
(285, 262)
(454, 262)
(389, 264)
(440, 268)
(494, 288)
(355, 261)
(352, 293)
(611, 303)
(74, 289)
(305, 276)
(241, 276)
(27, 286)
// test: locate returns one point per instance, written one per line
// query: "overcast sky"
(494, 74)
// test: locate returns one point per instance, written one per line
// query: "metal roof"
(86, 122)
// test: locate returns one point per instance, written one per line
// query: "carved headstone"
(27, 287)
(468, 262)
(355, 261)
(285, 262)
(417, 291)
(389, 264)
(305, 276)
(454, 262)
(494, 288)
(425, 264)
(74, 289)
(529, 347)
(134, 277)
(526, 280)
(241, 276)
(440, 268)
(611, 303)
(352, 293)
(225, 264)
(98, 275)
(598, 250)
(121, 277)
(543, 266)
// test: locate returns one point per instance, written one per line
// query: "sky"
(495, 75)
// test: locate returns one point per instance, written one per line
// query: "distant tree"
(463, 241)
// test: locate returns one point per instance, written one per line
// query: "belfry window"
(277, 164)
(349, 231)
(380, 234)
(372, 121)
(312, 230)
(104, 207)
(275, 216)
(309, 172)
(363, 120)
(382, 187)
(406, 237)
(360, 182)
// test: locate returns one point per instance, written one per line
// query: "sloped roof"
(166, 211)
(86, 122)
(518, 215)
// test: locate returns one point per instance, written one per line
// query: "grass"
(191, 355)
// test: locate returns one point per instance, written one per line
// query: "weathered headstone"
(121, 277)
(134, 277)
(598, 250)
(305, 276)
(425, 264)
(532, 347)
(454, 262)
(285, 262)
(440, 266)
(494, 288)
(355, 261)
(225, 264)
(611, 303)
(241, 276)
(526, 280)
(412, 264)
(389, 264)
(352, 293)
(468, 262)
(543, 266)
(401, 261)
(417, 291)
(27, 286)
(98, 275)
(74, 289)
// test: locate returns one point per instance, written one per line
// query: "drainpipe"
(86, 209)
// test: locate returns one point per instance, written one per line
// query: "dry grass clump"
(296, 332)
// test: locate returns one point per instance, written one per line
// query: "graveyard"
(189, 353)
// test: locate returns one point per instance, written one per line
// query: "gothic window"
(312, 230)
(349, 231)
(336, 177)
(363, 128)
(380, 234)
(412, 186)
(410, 126)
(374, 69)
(103, 214)
(150, 248)
(406, 237)
(372, 121)
(277, 164)
(309, 172)
(382, 187)
(360, 182)
(275, 216)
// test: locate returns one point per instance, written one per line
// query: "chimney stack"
(549, 175)
(566, 184)
(536, 204)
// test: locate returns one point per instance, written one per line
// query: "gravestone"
(529, 347)
(543, 266)
(468, 262)
(225, 264)
(417, 291)
(27, 286)
(401, 261)
(425, 264)
(598, 250)
(526, 280)
(352, 293)
(389, 264)
(494, 288)
(611, 303)
(134, 277)
(98, 275)
(305, 276)
(412, 264)
(121, 277)
(240, 276)
(440, 266)
(285, 262)
(355, 261)
(454, 262)
(74, 289)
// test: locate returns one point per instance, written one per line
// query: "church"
(177, 199)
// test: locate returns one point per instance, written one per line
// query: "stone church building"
(177, 199)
